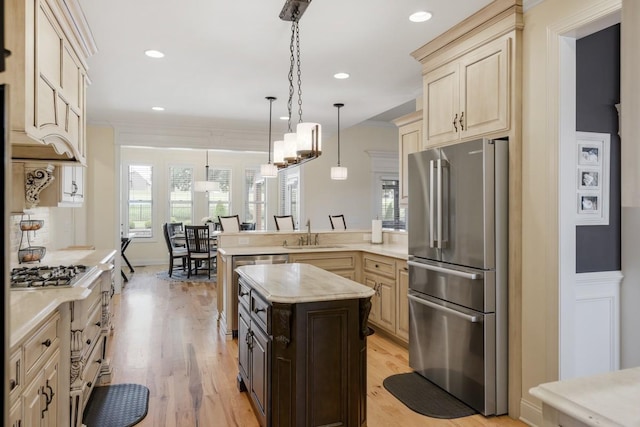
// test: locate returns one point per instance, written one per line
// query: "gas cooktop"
(39, 277)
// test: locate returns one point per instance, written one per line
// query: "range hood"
(52, 149)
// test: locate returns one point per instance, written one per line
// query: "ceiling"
(224, 57)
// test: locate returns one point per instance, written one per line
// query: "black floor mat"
(424, 397)
(117, 405)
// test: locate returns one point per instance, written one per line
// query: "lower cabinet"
(345, 264)
(402, 312)
(380, 275)
(34, 397)
(303, 364)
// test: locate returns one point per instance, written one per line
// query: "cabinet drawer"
(87, 305)
(259, 309)
(91, 332)
(91, 371)
(382, 266)
(44, 341)
(15, 374)
(244, 294)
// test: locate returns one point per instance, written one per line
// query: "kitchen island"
(302, 345)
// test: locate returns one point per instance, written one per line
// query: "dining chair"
(284, 222)
(176, 228)
(200, 247)
(175, 252)
(229, 223)
(338, 222)
(247, 226)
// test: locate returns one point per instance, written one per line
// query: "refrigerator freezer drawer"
(454, 348)
(475, 289)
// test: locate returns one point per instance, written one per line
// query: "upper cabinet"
(47, 72)
(409, 141)
(469, 76)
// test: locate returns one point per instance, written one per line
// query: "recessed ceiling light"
(154, 53)
(341, 75)
(157, 108)
(420, 16)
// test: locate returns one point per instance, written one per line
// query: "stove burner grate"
(45, 276)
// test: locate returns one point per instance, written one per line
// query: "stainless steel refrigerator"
(458, 215)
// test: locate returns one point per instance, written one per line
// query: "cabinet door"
(387, 295)
(51, 370)
(402, 319)
(72, 184)
(374, 315)
(410, 142)
(259, 370)
(441, 104)
(34, 401)
(15, 415)
(243, 345)
(484, 87)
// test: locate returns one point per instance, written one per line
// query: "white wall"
(323, 196)
(630, 290)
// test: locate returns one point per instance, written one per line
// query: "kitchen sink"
(313, 247)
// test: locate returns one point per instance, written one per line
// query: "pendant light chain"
(299, 73)
(338, 106)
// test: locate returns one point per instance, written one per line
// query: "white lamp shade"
(278, 153)
(339, 173)
(269, 171)
(290, 145)
(203, 186)
(309, 138)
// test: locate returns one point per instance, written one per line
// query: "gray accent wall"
(597, 92)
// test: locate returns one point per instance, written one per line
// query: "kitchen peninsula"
(302, 345)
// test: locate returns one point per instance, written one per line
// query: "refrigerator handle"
(433, 240)
(470, 276)
(443, 204)
(472, 319)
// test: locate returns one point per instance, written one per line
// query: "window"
(289, 194)
(180, 194)
(254, 198)
(220, 198)
(392, 214)
(140, 200)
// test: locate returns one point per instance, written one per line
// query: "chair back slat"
(198, 239)
(284, 222)
(229, 223)
(338, 222)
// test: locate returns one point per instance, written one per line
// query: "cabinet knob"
(88, 341)
(46, 343)
(99, 361)
(89, 384)
(377, 266)
(98, 324)
(243, 293)
(258, 310)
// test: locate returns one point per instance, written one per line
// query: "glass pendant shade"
(290, 145)
(339, 173)
(203, 186)
(269, 171)
(278, 153)
(309, 139)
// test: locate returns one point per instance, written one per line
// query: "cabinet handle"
(88, 341)
(258, 310)
(50, 398)
(243, 293)
(89, 384)
(461, 121)
(98, 324)
(47, 401)
(405, 268)
(99, 361)
(12, 384)
(455, 120)
(46, 343)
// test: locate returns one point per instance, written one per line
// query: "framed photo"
(592, 178)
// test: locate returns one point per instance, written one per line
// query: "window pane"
(180, 194)
(140, 200)
(254, 208)
(392, 214)
(220, 197)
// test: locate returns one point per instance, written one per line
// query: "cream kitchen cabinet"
(409, 141)
(379, 273)
(402, 313)
(67, 188)
(49, 42)
(34, 396)
(469, 96)
(345, 264)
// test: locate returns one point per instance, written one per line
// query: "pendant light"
(269, 170)
(206, 185)
(338, 172)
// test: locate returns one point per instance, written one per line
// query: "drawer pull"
(46, 343)
(99, 361)
(88, 341)
(258, 310)
(89, 384)
(98, 324)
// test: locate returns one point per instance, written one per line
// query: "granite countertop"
(394, 251)
(609, 399)
(29, 307)
(299, 283)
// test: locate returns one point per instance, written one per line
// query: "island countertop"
(300, 283)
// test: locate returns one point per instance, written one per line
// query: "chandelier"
(306, 142)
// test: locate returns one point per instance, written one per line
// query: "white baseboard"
(530, 413)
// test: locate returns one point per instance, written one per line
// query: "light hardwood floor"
(166, 337)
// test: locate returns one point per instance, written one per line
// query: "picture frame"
(592, 178)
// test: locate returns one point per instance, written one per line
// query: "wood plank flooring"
(166, 338)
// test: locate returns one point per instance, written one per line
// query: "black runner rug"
(117, 405)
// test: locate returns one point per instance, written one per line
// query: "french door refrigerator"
(458, 215)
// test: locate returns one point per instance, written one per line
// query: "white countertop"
(609, 399)
(395, 251)
(29, 307)
(299, 283)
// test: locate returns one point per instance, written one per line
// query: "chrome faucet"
(308, 232)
